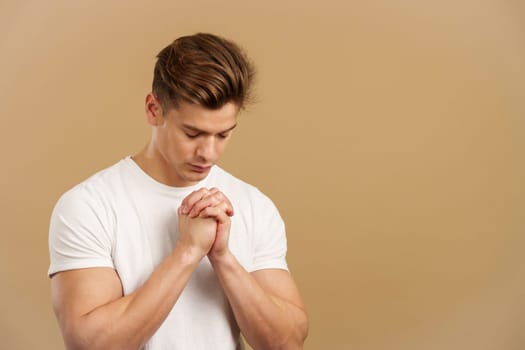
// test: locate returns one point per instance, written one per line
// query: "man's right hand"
(197, 212)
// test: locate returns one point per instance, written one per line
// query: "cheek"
(184, 150)
(173, 145)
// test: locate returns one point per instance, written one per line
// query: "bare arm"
(266, 304)
(93, 313)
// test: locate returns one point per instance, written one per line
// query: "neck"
(150, 161)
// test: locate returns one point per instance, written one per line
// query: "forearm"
(129, 321)
(266, 321)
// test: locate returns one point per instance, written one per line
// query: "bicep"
(75, 293)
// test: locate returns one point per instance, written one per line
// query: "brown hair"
(204, 69)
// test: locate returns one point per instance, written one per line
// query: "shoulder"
(92, 193)
(89, 208)
(81, 229)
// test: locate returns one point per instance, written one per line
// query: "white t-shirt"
(124, 219)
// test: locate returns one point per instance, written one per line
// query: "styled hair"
(203, 69)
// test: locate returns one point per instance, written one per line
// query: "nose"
(207, 149)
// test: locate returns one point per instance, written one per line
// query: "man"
(165, 250)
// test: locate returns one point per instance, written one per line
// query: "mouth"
(200, 168)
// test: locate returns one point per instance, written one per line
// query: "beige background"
(389, 133)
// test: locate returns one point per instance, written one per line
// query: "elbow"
(295, 338)
(76, 338)
(73, 341)
(304, 325)
(299, 334)
(78, 342)
(73, 337)
(79, 338)
(304, 328)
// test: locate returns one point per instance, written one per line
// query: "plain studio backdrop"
(391, 135)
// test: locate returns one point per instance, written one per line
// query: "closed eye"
(192, 132)
(192, 136)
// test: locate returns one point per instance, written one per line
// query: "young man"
(165, 250)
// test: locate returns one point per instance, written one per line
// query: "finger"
(215, 213)
(214, 190)
(190, 200)
(208, 201)
(216, 199)
(226, 207)
(229, 206)
(222, 198)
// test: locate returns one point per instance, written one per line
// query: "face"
(188, 140)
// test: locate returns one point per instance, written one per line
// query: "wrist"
(221, 258)
(188, 255)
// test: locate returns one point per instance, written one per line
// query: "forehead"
(205, 119)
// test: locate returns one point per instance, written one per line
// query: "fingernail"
(184, 210)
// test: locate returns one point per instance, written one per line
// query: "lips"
(200, 168)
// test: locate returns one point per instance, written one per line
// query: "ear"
(153, 109)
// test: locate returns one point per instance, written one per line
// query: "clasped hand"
(204, 222)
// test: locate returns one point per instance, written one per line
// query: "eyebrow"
(192, 128)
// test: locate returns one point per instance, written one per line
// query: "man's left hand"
(211, 203)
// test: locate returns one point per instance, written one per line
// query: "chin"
(196, 177)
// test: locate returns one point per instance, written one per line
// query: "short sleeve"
(270, 236)
(78, 233)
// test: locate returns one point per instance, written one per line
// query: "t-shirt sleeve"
(78, 233)
(270, 239)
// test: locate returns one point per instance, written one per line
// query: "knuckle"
(207, 212)
(217, 199)
(219, 196)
